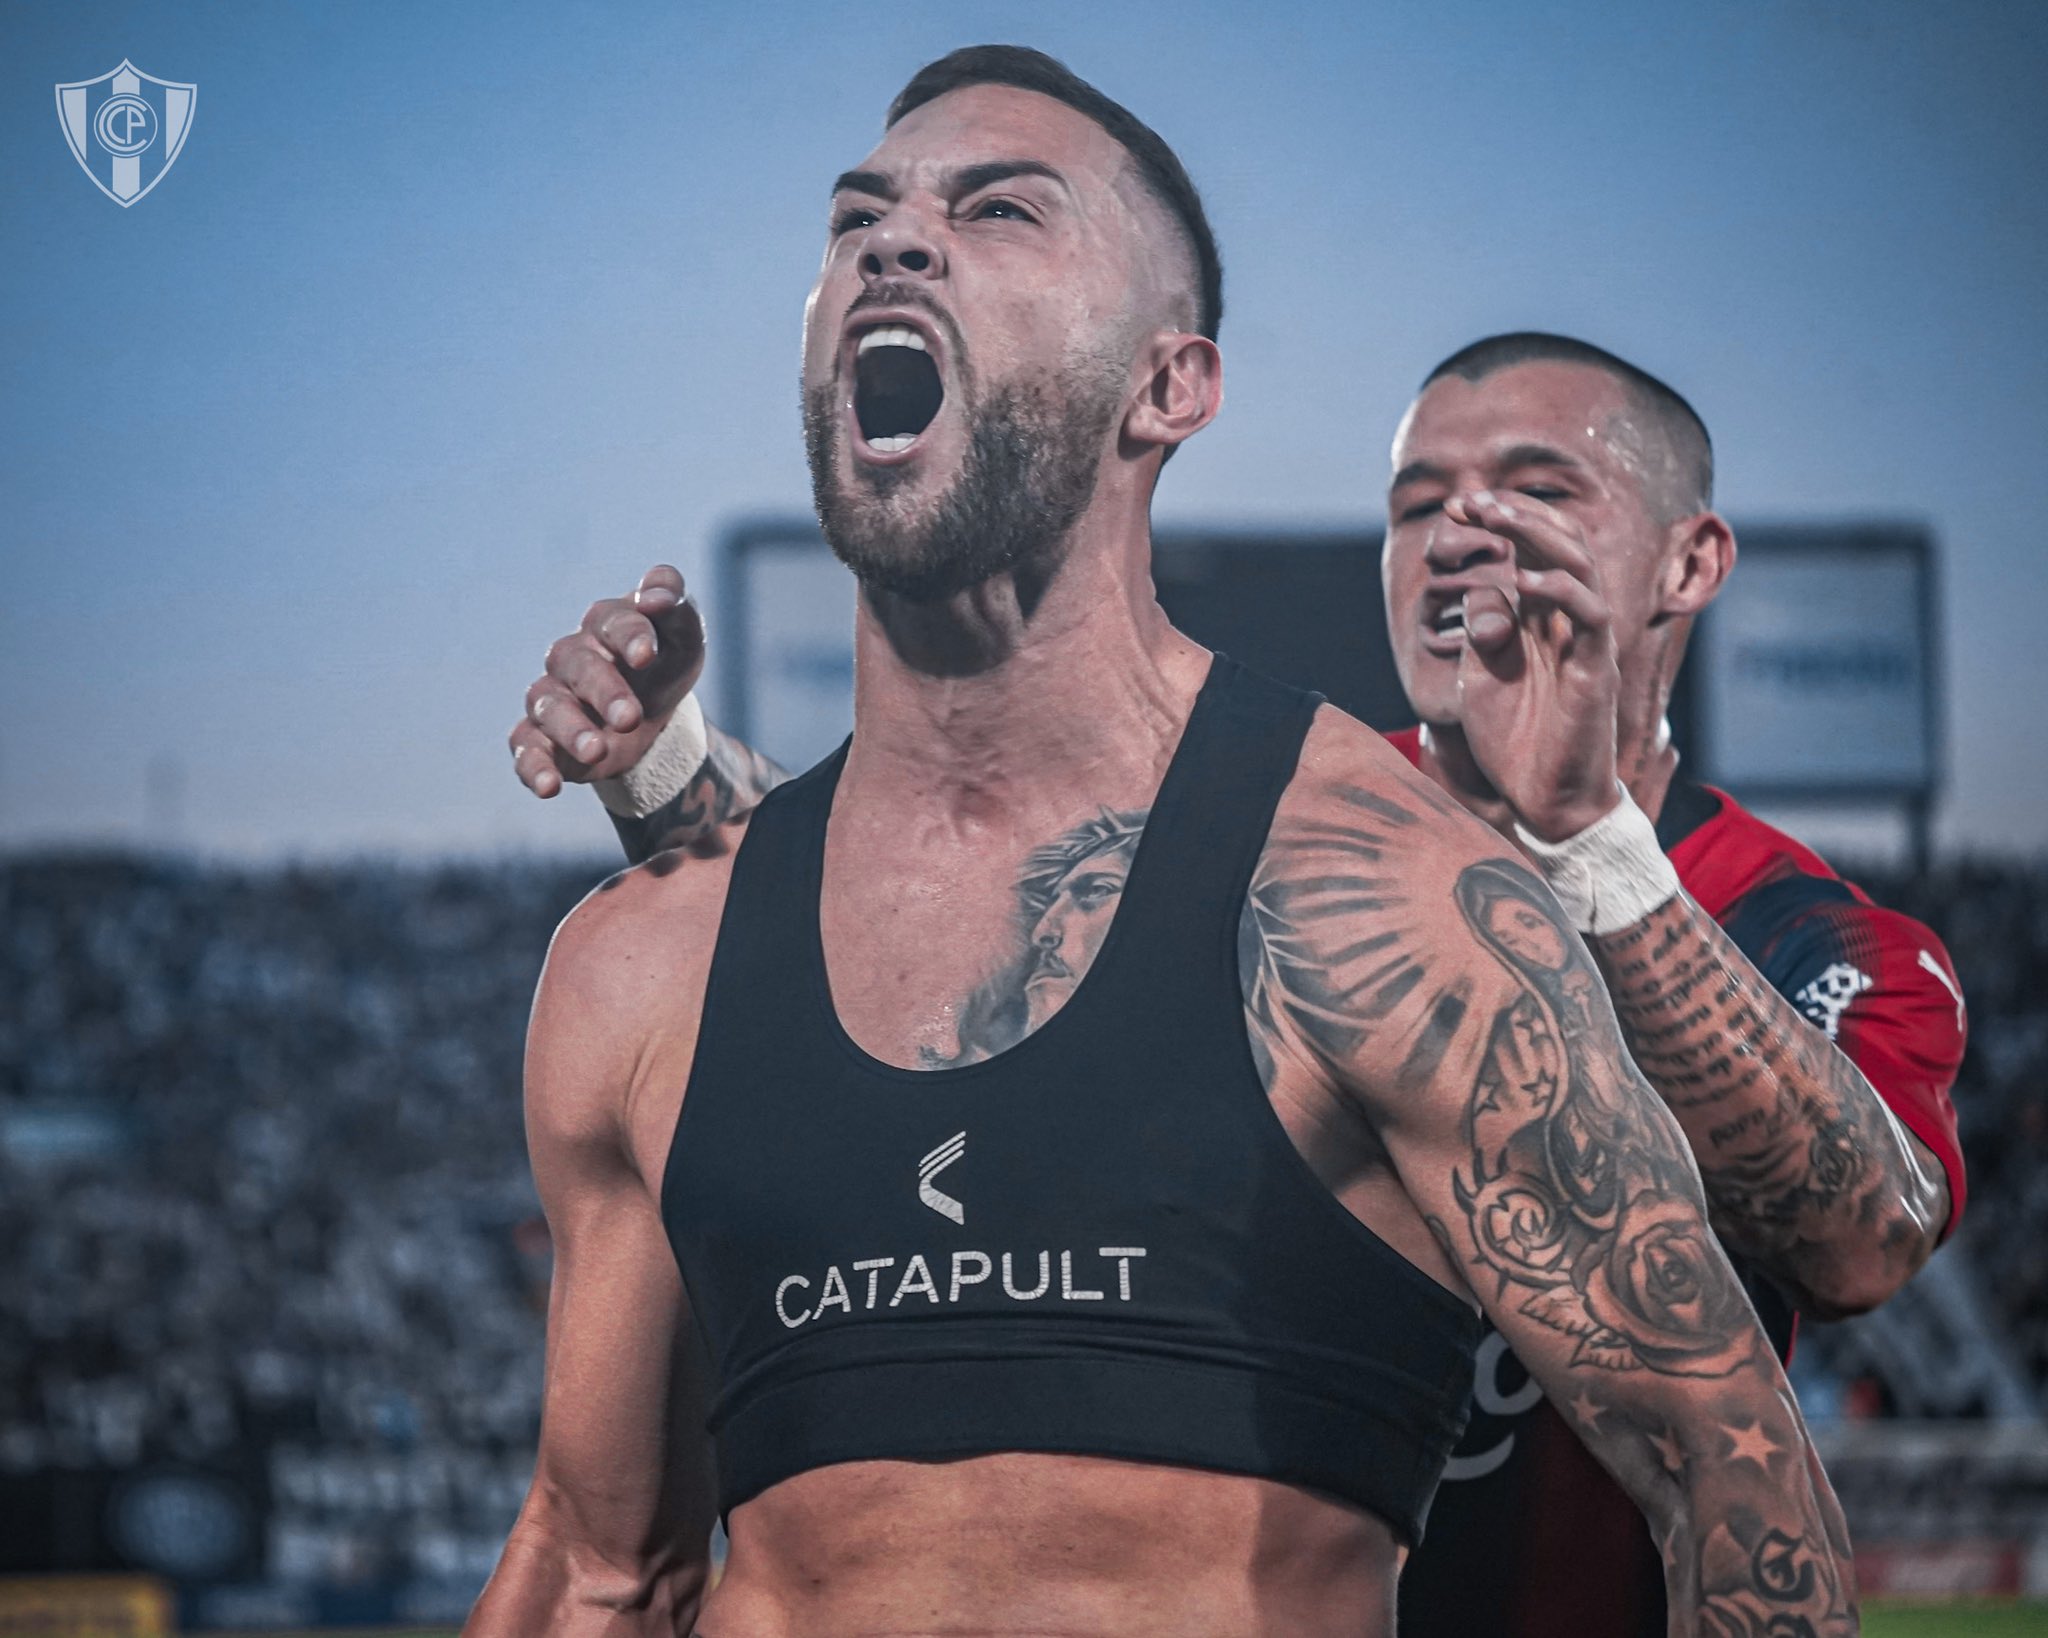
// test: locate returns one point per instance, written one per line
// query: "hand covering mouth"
(896, 387)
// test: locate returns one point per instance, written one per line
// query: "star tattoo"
(1750, 1442)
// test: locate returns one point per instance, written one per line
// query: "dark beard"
(1028, 475)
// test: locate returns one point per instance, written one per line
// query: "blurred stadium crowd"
(268, 1241)
(1994, 920)
(266, 1216)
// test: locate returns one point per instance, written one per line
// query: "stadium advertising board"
(1304, 607)
(1813, 675)
(783, 643)
(85, 1606)
(1816, 665)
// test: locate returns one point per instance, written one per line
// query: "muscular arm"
(1456, 1005)
(614, 1538)
(1807, 1170)
(732, 780)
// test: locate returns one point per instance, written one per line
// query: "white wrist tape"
(1609, 876)
(670, 764)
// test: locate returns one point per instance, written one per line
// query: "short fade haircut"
(1669, 416)
(1159, 168)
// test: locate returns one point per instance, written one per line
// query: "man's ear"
(1180, 389)
(1702, 559)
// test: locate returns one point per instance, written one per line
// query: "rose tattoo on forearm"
(1569, 1197)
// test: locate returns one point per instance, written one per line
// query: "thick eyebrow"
(1535, 455)
(973, 178)
(968, 179)
(873, 182)
(1508, 459)
(1420, 472)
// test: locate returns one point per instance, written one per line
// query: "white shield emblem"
(126, 128)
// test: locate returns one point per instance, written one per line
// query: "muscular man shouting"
(1819, 1114)
(1082, 1108)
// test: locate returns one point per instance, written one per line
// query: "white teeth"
(892, 335)
(1451, 619)
(894, 442)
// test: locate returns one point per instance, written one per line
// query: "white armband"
(671, 762)
(1611, 874)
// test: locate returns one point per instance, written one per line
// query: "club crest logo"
(126, 128)
(1828, 996)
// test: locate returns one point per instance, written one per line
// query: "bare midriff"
(1032, 1546)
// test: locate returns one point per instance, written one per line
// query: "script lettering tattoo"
(1781, 1568)
(1580, 1203)
(1577, 1205)
(1577, 1208)
(732, 781)
(1760, 1581)
(1749, 1574)
(1573, 1203)
(1805, 1167)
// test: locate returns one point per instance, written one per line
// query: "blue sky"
(450, 318)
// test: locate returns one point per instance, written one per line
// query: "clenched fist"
(610, 686)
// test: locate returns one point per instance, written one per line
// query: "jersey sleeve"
(1882, 988)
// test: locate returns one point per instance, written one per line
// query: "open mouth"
(1447, 625)
(896, 387)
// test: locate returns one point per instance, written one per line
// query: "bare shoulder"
(1364, 961)
(1353, 790)
(614, 1023)
(637, 926)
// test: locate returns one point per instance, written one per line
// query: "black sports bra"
(1099, 1241)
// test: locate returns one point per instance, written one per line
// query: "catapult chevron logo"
(126, 128)
(930, 1167)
